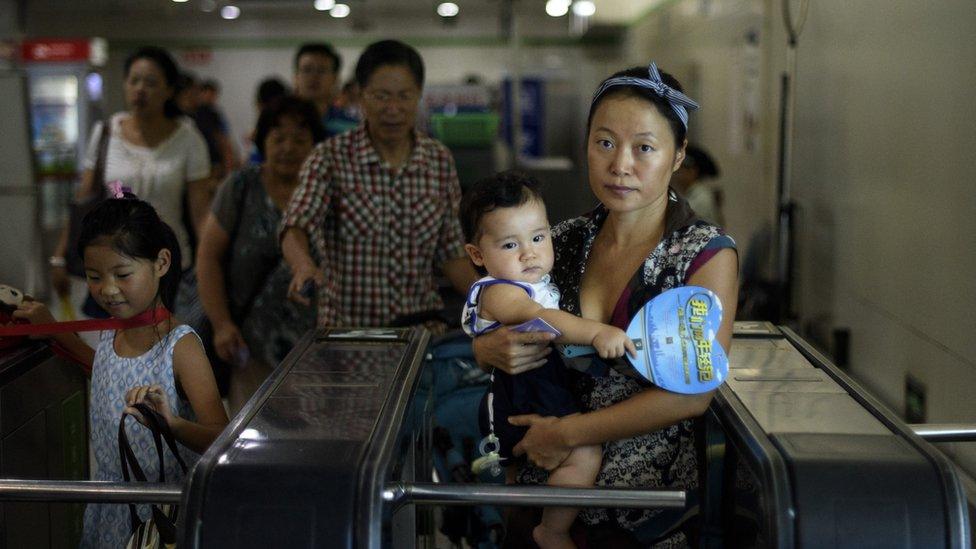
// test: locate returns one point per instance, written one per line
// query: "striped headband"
(680, 103)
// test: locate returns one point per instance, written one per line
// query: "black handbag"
(77, 210)
(160, 529)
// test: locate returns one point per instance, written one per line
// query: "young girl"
(132, 265)
(507, 232)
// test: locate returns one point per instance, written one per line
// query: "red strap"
(152, 316)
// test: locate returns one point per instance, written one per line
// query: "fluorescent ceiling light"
(230, 12)
(584, 8)
(340, 11)
(447, 9)
(324, 5)
(557, 8)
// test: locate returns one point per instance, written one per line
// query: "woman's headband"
(680, 103)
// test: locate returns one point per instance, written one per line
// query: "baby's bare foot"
(552, 539)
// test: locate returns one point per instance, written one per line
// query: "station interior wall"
(882, 174)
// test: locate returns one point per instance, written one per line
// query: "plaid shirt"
(377, 233)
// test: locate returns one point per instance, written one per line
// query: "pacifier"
(490, 459)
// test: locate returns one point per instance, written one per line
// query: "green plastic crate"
(476, 129)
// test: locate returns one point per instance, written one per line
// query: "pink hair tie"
(117, 190)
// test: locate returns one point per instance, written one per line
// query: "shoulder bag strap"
(100, 161)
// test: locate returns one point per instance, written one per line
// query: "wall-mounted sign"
(61, 50)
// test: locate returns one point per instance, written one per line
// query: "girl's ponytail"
(169, 284)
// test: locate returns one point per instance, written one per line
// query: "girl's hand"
(34, 312)
(510, 351)
(297, 290)
(154, 396)
(543, 444)
(229, 343)
(612, 342)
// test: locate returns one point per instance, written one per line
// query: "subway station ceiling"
(606, 11)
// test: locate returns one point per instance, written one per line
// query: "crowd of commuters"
(335, 220)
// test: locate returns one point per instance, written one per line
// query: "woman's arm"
(720, 274)
(211, 253)
(59, 275)
(549, 440)
(510, 351)
(199, 193)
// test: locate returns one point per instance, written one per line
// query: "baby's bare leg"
(579, 470)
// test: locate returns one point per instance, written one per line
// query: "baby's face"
(515, 243)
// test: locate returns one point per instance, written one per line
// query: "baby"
(507, 234)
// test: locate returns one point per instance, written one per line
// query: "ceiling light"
(180, 1)
(447, 9)
(584, 8)
(557, 8)
(340, 11)
(324, 5)
(230, 12)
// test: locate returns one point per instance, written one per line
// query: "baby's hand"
(34, 312)
(612, 342)
(154, 396)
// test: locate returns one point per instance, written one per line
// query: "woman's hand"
(154, 396)
(60, 281)
(543, 444)
(34, 312)
(510, 351)
(229, 343)
(297, 290)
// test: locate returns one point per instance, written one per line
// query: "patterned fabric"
(543, 292)
(257, 277)
(108, 525)
(666, 458)
(378, 232)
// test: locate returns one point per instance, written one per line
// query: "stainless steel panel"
(765, 353)
(800, 380)
(822, 413)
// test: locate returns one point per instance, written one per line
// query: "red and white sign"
(197, 57)
(60, 50)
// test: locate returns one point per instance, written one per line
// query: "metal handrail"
(945, 432)
(531, 496)
(78, 491)
(89, 491)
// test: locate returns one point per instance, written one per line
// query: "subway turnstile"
(334, 450)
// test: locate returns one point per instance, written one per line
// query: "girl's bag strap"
(129, 461)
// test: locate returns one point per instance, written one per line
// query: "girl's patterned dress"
(108, 525)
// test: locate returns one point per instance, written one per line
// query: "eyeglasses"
(385, 97)
(313, 71)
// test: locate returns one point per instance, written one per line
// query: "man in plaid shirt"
(380, 206)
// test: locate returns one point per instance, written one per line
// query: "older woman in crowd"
(379, 207)
(242, 278)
